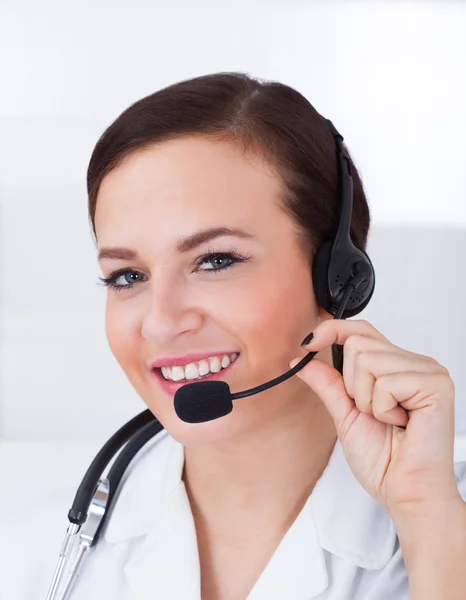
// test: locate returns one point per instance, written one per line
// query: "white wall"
(390, 75)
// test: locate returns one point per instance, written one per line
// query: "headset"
(344, 281)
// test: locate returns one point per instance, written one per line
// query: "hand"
(383, 386)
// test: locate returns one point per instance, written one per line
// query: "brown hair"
(267, 118)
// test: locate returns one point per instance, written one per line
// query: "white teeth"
(178, 373)
(191, 370)
(166, 372)
(197, 370)
(203, 367)
(215, 364)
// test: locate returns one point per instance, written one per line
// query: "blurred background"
(391, 75)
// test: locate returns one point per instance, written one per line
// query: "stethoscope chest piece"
(88, 535)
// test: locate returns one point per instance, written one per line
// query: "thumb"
(328, 384)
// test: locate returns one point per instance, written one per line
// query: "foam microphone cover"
(202, 401)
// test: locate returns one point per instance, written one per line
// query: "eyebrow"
(183, 245)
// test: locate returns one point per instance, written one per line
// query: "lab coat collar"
(350, 522)
(339, 517)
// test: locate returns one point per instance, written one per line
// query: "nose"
(169, 310)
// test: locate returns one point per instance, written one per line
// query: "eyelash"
(232, 254)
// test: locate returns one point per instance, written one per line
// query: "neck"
(266, 474)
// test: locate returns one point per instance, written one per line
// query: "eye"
(220, 261)
(111, 280)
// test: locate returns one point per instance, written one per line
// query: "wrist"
(427, 520)
(433, 544)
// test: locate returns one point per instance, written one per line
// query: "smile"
(195, 371)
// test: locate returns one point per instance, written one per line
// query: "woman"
(337, 484)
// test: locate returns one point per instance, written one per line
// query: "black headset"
(339, 259)
(344, 281)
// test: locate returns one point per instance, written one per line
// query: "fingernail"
(307, 339)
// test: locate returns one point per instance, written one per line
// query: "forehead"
(194, 181)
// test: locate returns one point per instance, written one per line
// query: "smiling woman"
(209, 201)
(228, 160)
(265, 120)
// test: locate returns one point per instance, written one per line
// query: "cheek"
(120, 330)
(270, 314)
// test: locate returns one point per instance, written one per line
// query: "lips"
(170, 387)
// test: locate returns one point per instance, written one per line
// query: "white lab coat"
(342, 546)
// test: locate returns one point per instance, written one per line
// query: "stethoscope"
(337, 261)
(93, 500)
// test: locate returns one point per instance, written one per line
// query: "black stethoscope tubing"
(121, 463)
(138, 431)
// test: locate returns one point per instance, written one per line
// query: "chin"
(198, 434)
(247, 413)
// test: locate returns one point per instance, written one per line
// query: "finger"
(414, 390)
(328, 384)
(356, 342)
(354, 346)
(385, 407)
(337, 331)
(429, 400)
(363, 389)
(363, 367)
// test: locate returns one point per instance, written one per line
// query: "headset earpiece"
(331, 271)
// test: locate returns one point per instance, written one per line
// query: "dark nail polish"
(307, 339)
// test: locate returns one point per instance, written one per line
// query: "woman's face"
(182, 302)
